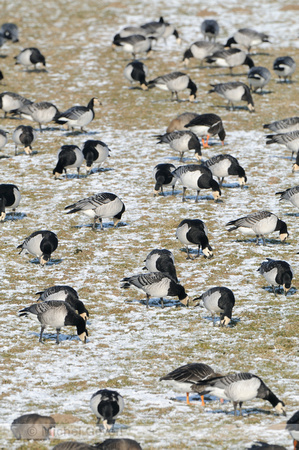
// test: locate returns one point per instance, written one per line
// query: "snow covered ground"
(129, 347)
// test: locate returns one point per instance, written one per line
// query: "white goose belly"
(243, 390)
(211, 303)
(220, 169)
(190, 179)
(108, 209)
(233, 95)
(181, 234)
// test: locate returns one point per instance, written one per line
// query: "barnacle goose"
(258, 77)
(197, 177)
(194, 232)
(290, 195)
(68, 157)
(33, 426)
(186, 376)
(10, 197)
(163, 177)
(293, 428)
(234, 91)
(10, 31)
(232, 57)
(290, 140)
(107, 405)
(161, 260)
(210, 29)
(30, 56)
(24, 135)
(238, 388)
(200, 50)
(246, 37)
(78, 116)
(156, 284)
(136, 71)
(95, 152)
(260, 223)
(3, 138)
(135, 43)
(181, 141)
(100, 206)
(40, 244)
(10, 102)
(175, 82)
(224, 165)
(57, 314)
(40, 112)
(284, 125)
(206, 125)
(65, 294)
(218, 300)
(277, 272)
(284, 67)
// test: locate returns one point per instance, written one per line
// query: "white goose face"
(185, 301)
(295, 167)
(216, 195)
(251, 107)
(224, 322)
(107, 425)
(280, 408)
(84, 316)
(208, 253)
(242, 181)
(83, 337)
(191, 98)
(283, 236)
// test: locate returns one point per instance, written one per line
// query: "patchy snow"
(129, 347)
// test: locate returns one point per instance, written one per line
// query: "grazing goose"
(100, 206)
(293, 429)
(260, 223)
(163, 177)
(284, 67)
(161, 261)
(224, 165)
(206, 125)
(24, 135)
(170, 30)
(78, 116)
(218, 300)
(290, 140)
(264, 446)
(40, 244)
(107, 405)
(135, 43)
(232, 57)
(30, 56)
(65, 294)
(181, 141)
(175, 82)
(234, 91)
(57, 314)
(95, 152)
(186, 376)
(3, 138)
(33, 426)
(119, 444)
(247, 38)
(290, 195)
(136, 71)
(239, 387)
(284, 125)
(201, 50)
(197, 177)
(156, 284)
(154, 29)
(258, 77)
(11, 102)
(41, 112)
(68, 157)
(209, 29)
(194, 232)
(10, 31)
(179, 123)
(277, 272)
(10, 197)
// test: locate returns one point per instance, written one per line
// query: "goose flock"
(143, 165)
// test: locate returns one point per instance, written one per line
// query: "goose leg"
(101, 223)
(162, 302)
(57, 335)
(188, 256)
(273, 288)
(147, 300)
(184, 193)
(240, 406)
(202, 400)
(187, 398)
(41, 334)
(257, 239)
(197, 194)
(78, 170)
